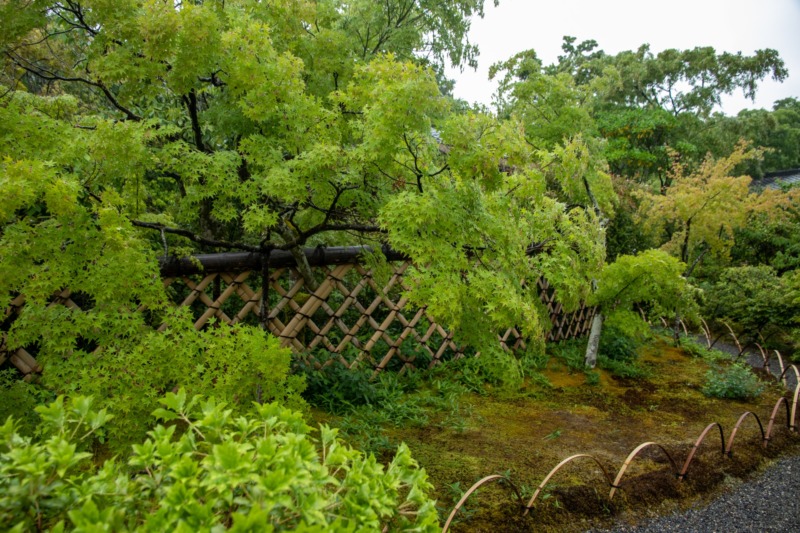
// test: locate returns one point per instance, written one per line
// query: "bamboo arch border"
(475, 487)
(680, 475)
(725, 449)
(557, 468)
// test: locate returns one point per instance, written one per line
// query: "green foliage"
(651, 280)
(769, 238)
(20, 399)
(618, 354)
(624, 369)
(205, 469)
(701, 209)
(777, 130)
(696, 349)
(614, 344)
(338, 389)
(737, 382)
(238, 364)
(754, 298)
(274, 125)
(570, 353)
(641, 103)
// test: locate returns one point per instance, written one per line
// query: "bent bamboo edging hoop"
(472, 489)
(557, 468)
(789, 420)
(782, 378)
(785, 371)
(631, 456)
(736, 428)
(682, 474)
(794, 403)
(764, 355)
(735, 338)
(783, 368)
(707, 332)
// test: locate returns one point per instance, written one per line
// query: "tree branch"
(45, 74)
(191, 106)
(195, 238)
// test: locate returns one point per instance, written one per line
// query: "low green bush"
(336, 388)
(572, 353)
(695, 349)
(205, 469)
(623, 368)
(736, 381)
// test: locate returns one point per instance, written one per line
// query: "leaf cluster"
(205, 469)
(737, 382)
(652, 282)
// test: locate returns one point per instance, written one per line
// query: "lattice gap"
(350, 317)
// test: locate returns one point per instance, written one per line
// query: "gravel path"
(768, 503)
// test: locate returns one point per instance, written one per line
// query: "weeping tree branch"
(45, 74)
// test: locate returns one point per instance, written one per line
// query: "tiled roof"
(774, 180)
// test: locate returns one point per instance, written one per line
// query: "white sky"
(617, 25)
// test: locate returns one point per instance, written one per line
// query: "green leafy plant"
(618, 354)
(237, 364)
(205, 469)
(336, 388)
(570, 353)
(20, 399)
(615, 344)
(624, 369)
(696, 349)
(736, 381)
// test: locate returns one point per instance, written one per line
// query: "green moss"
(523, 433)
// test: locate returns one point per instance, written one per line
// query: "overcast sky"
(617, 25)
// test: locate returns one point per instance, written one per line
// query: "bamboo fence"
(350, 318)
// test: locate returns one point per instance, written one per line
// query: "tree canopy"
(136, 129)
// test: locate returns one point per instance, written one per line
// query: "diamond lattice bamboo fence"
(350, 318)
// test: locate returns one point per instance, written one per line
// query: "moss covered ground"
(523, 434)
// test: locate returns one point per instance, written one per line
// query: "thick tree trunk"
(594, 340)
(597, 322)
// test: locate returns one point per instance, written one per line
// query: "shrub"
(614, 344)
(623, 368)
(336, 388)
(238, 364)
(205, 469)
(695, 349)
(572, 353)
(736, 381)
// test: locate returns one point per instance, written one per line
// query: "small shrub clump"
(618, 354)
(695, 349)
(735, 382)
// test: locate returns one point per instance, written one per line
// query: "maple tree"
(699, 212)
(137, 129)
